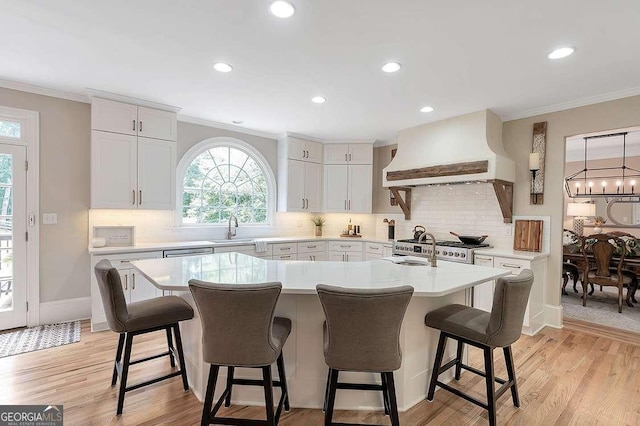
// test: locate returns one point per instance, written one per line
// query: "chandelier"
(605, 182)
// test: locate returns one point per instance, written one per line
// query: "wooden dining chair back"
(604, 272)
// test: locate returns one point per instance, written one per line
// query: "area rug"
(602, 308)
(36, 338)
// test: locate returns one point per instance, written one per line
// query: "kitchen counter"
(514, 254)
(303, 352)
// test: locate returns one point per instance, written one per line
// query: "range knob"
(463, 255)
(457, 254)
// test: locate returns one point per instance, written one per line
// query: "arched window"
(220, 177)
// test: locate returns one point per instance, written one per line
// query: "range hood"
(461, 149)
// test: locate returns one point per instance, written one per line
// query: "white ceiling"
(606, 147)
(458, 56)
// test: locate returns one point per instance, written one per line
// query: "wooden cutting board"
(528, 235)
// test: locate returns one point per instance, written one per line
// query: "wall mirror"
(604, 167)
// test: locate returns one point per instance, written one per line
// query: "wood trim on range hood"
(457, 169)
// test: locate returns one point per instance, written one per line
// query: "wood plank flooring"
(570, 376)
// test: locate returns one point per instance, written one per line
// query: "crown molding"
(130, 100)
(612, 96)
(45, 91)
(380, 143)
(224, 126)
(301, 136)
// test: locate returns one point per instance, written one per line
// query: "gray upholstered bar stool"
(146, 316)
(499, 328)
(239, 330)
(362, 333)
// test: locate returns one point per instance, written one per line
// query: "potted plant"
(598, 221)
(319, 222)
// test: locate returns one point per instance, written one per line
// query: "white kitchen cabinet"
(373, 251)
(134, 286)
(387, 250)
(129, 172)
(534, 314)
(348, 153)
(340, 251)
(294, 148)
(129, 119)
(347, 188)
(300, 188)
(312, 250)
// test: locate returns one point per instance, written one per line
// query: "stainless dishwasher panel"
(187, 252)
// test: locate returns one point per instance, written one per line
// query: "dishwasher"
(187, 252)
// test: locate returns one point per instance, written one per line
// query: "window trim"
(215, 142)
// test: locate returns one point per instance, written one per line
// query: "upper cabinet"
(128, 119)
(342, 153)
(133, 156)
(299, 149)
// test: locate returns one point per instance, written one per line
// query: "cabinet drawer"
(123, 260)
(313, 256)
(373, 248)
(249, 249)
(345, 246)
(284, 248)
(513, 265)
(292, 256)
(312, 246)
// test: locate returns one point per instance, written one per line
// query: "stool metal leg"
(385, 394)
(490, 380)
(459, 359)
(333, 384)
(393, 405)
(125, 372)
(508, 357)
(183, 368)
(114, 378)
(208, 399)
(326, 392)
(268, 394)
(436, 366)
(170, 347)
(230, 372)
(283, 380)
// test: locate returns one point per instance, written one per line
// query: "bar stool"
(146, 316)
(239, 330)
(498, 329)
(362, 333)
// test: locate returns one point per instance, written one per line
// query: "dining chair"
(603, 270)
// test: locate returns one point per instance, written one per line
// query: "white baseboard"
(553, 316)
(65, 310)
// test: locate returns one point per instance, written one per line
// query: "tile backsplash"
(468, 209)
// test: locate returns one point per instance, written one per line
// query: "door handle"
(134, 196)
(140, 197)
(140, 125)
(345, 204)
(134, 125)
(349, 157)
(345, 157)
(349, 204)
(133, 281)
(303, 203)
(126, 282)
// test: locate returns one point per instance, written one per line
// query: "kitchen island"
(306, 371)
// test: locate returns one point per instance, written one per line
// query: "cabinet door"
(113, 171)
(157, 124)
(296, 149)
(314, 152)
(313, 187)
(353, 257)
(360, 188)
(335, 189)
(336, 153)
(141, 288)
(126, 283)
(387, 251)
(156, 174)
(336, 256)
(360, 154)
(483, 293)
(112, 116)
(319, 256)
(295, 186)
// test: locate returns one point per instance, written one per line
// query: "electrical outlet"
(49, 218)
(508, 231)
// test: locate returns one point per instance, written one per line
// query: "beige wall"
(381, 159)
(64, 189)
(517, 136)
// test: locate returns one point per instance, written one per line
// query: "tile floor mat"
(41, 337)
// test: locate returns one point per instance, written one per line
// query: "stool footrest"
(152, 381)
(462, 395)
(255, 382)
(359, 386)
(482, 373)
(149, 358)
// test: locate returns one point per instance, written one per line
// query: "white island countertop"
(301, 277)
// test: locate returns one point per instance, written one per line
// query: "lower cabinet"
(340, 251)
(483, 293)
(373, 251)
(312, 250)
(135, 286)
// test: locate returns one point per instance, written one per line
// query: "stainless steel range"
(452, 251)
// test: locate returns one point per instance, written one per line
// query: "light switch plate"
(49, 218)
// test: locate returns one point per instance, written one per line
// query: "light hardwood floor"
(568, 376)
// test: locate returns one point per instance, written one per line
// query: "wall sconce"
(536, 162)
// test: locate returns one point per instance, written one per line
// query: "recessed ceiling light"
(391, 67)
(282, 9)
(238, 121)
(562, 52)
(426, 109)
(318, 100)
(222, 67)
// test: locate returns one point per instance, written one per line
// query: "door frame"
(30, 138)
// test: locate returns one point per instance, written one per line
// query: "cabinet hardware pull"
(126, 281)
(285, 248)
(311, 246)
(303, 203)
(349, 157)
(345, 204)
(134, 125)
(510, 265)
(347, 256)
(349, 204)
(313, 257)
(347, 246)
(285, 256)
(345, 157)
(134, 196)
(140, 197)
(307, 204)
(343, 257)
(133, 281)
(141, 125)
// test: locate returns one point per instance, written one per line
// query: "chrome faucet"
(432, 257)
(229, 233)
